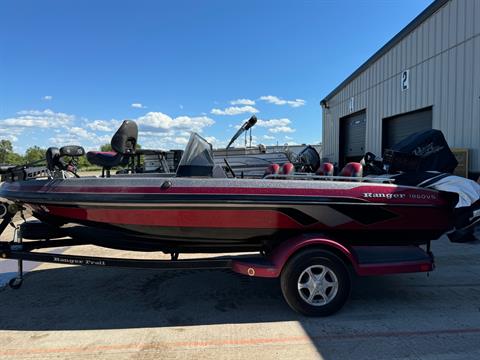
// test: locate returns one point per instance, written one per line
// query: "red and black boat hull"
(238, 214)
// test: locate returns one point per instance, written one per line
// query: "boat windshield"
(197, 160)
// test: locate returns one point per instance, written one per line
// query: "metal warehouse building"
(427, 76)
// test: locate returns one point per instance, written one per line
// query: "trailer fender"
(273, 264)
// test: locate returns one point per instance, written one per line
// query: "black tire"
(15, 283)
(317, 258)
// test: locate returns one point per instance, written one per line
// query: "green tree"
(34, 153)
(83, 162)
(106, 147)
(15, 159)
(5, 149)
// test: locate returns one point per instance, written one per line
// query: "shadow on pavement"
(74, 298)
(407, 311)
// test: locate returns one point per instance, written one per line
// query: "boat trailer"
(315, 272)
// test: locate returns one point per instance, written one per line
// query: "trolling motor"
(246, 126)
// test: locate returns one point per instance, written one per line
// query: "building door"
(398, 127)
(352, 138)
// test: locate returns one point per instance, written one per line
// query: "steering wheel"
(229, 168)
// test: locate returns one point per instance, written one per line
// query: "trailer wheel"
(15, 283)
(315, 282)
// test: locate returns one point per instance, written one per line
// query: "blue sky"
(70, 71)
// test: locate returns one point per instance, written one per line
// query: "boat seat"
(123, 145)
(352, 169)
(326, 169)
(287, 169)
(272, 169)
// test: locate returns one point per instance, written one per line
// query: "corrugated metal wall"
(443, 56)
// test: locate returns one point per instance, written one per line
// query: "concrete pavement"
(72, 312)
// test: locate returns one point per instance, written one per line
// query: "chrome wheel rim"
(317, 285)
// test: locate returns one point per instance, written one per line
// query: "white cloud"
(268, 137)
(158, 139)
(80, 132)
(211, 139)
(215, 142)
(279, 129)
(242, 102)
(277, 125)
(138, 106)
(273, 122)
(103, 125)
(273, 125)
(79, 136)
(10, 130)
(160, 131)
(61, 125)
(10, 133)
(196, 123)
(155, 133)
(235, 110)
(288, 137)
(277, 101)
(39, 118)
(47, 97)
(160, 120)
(157, 130)
(181, 140)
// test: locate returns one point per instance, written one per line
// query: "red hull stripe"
(257, 219)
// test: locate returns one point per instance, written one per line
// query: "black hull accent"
(134, 238)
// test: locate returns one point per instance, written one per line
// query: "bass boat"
(311, 230)
(205, 207)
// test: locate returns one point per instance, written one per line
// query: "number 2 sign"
(405, 80)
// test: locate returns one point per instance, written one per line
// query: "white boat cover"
(468, 190)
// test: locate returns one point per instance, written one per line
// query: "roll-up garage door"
(352, 137)
(397, 128)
